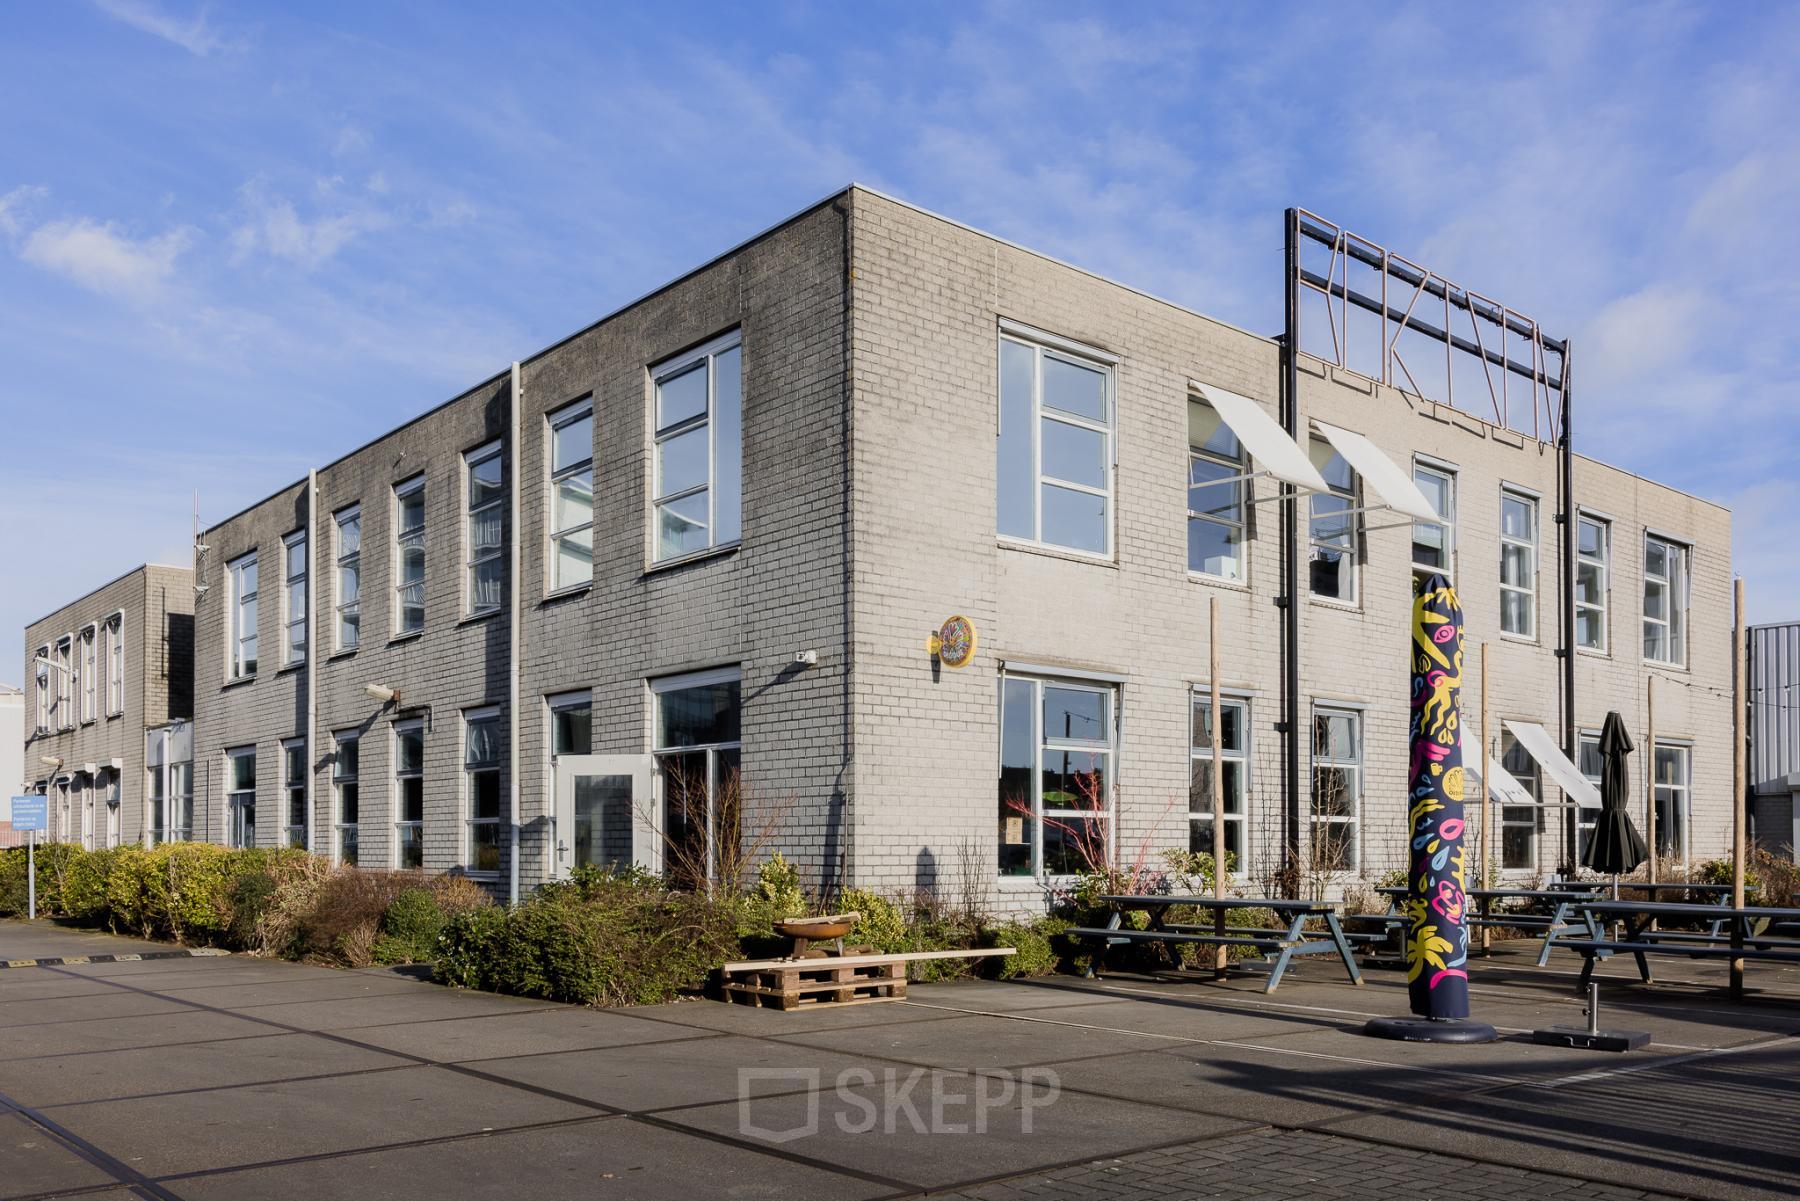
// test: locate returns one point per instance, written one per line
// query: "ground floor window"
(114, 797)
(240, 796)
(1057, 742)
(1672, 776)
(85, 791)
(409, 794)
(481, 784)
(1337, 788)
(293, 783)
(171, 801)
(346, 798)
(1581, 821)
(1519, 823)
(1234, 757)
(698, 752)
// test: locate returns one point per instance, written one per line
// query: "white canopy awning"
(1394, 486)
(1504, 786)
(1540, 746)
(1268, 444)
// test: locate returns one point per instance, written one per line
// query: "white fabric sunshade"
(1504, 786)
(1540, 746)
(1393, 485)
(1268, 444)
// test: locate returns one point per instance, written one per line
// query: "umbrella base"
(1581, 1038)
(1431, 1030)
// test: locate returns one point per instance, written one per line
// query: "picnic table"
(1554, 911)
(1283, 944)
(1641, 934)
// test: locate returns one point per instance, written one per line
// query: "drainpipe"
(512, 640)
(1570, 534)
(1290, 552)
(312, 652)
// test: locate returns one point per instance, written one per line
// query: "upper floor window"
(65, 682)
(115, 664)
(483, 534)
(1057, 740)
(1337, 787)
(90, 673)
(293, 598)
(1333, 527)
(409, 556)
(242, 572)
(571, 522)
(1215, 495)
(1431, 540)
(1518, 563)
(1593, 557)
(46, 703)
(1054, 452)
(349, 578)
(699, 449)
(1665, 601)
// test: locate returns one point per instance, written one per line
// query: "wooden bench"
(831, 979)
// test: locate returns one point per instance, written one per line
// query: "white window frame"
(712, 750)
(404, 491)
(46, 699)
(1042, 741)
(469, 773)
(1529, 593)
(344, 561)
(1239, 517)
(1354, 766)
(1043, 344)
(1676, 583)
(1447, 474)
(1201, 755)
(660, 374)
(401, 774)
(1586, 819)
(238, 664)
(473, 559)
(65, 682)
(115, 664)
(1602, 565)
(90, 673)
(1530, 776)
(1681, 793)
(293, 790)
(555, 423)
(339, 778)
(237, 799)
(291, 580)
(1351, 546)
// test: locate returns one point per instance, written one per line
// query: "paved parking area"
(228, 1077)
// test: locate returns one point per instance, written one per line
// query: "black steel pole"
(1290, 559)
(1571, 535)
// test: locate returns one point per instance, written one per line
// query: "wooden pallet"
(816, 982)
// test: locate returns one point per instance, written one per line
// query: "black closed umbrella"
(1617, 848)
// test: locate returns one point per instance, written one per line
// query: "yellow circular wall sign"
(954, 643)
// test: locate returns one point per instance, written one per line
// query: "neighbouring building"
(12, 757)
(1774, 652)
(111, 687)
(662, 591)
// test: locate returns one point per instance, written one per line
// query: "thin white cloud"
(100, 258)
(273, 226)
(195, 35)
(13, 204)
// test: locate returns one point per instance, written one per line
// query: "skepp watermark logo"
(779, 1105)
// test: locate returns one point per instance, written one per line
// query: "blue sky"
(236, 241)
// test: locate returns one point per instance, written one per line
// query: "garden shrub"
(1035, 943)
(343, 922)
(409, 928)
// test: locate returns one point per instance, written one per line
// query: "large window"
(240, 796)
(1337, 787)
(1432, 544)
(1581, 819)
(169, 787)
(1054, 466)
(1518, 564)
(349, 578)
(115, 664)
(572, 496)
(1519, 823)
(346, 798)
(409, 556)
(697, 752)
(483, 533)
(293, 785)
(243, 616)
(1234, 739)
(1672, 779)
(90, 674)
(699, 449)
(293, 598)
(1665, 601)
(1333, 527)
(409, 793)
(46, 700)
(482, 737)
(1057, 741)
(65, 682)
(1593, 557)
(1215, 495)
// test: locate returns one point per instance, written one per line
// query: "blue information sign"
(30, 813)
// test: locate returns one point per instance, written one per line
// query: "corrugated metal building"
(1775, 735)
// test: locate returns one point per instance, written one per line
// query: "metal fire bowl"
(816, 928)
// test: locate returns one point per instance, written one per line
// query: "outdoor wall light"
(50, 760)
(378, 693)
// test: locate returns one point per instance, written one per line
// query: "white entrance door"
(606, 813)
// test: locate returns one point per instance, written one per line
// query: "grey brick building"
(677, 573)
(110, 693)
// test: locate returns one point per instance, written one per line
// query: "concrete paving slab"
(1511, 1058)
(179, 1025)
(35, 984)
(917, 1145)
(329, 986)
(94, 1007)
(532, 1032)
(34, 1162)
(978, 1043)
(605, 1158)
(1190, 1019)
(385, 1009)
(748, 1019)
(231, 1127)
(1011, 996)
(107, 1075)
(46, 939)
